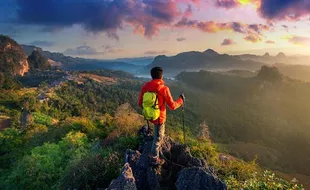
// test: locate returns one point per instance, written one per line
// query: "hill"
(141, 61)
(300, 72)
(13, 60)
(77, 136)
(195, 60)
(37, 62)
(268, 110)
(279, 58)
(71, 63)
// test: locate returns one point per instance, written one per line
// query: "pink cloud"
(270, 42)
(299, 40)
(253, 38)
(228, 42)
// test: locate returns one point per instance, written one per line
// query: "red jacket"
(164, 97)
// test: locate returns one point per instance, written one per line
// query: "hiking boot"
(156, 161)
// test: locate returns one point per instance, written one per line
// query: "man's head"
(157, 73)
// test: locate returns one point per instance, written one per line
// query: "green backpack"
(150, 107)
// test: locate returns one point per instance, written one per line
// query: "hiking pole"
(184, 134)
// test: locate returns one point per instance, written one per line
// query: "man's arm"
(173, 105)
(141, 97)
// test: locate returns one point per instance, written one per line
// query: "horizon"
(147, 28)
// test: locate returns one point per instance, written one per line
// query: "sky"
(108, 29)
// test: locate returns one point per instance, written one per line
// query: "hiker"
(153, 98)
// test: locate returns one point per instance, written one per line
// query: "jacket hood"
(155, 84)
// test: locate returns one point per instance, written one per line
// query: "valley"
(258, 117)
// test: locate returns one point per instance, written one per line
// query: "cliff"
(13, 60)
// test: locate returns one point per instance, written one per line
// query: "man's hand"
(183, 97)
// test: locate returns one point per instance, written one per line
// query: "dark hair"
(157, 73)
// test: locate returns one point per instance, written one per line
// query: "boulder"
(125, 181)
(197, 178)
(177, 171)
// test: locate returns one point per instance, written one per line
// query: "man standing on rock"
(153, 98)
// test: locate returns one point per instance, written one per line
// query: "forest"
(77, 137)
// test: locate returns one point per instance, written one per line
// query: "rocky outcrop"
(270, 74)
(125, 181)
(37, 62)
(180, 169)
(13, 60)
(198, 178)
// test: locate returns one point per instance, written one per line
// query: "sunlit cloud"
(270, 42)
(299, 40)
(253, 38)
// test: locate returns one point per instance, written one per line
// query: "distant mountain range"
(71, 63)
(141, 61)
(211, 60)
(208, 60)
(293, 66)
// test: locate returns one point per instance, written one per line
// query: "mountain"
(85, 132)
(267, 114)
(141, 61)
(266, 55)
(195, 60)
(279, 58)
(281, 55)
(211, 53)
(269, 74)
(300, 72)
(71, 63)
(38, 62)
(13, 60)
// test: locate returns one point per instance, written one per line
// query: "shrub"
(84, 125)
(35, 129)
(266, 180)
(46, 164)
(92, 172)
(42, 119)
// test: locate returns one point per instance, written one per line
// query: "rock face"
(13, 60)
(38, 62)
(197, 178)
(125, 181)
(269, 74)
(180, 169)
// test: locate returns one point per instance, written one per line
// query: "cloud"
(227, 42)
(285, 27)
(181, 39)
(270, 42)
(228, 4)
(299, 40)
(188, 12)
(272, 9)
(146, 16)
(82, 51)
(109, 49)
(284, 9)
(253, 38)
(155, 52)
(253, 32)
(42, 43)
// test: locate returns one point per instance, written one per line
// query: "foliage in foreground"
(84, 150)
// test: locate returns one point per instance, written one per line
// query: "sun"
(246, 2)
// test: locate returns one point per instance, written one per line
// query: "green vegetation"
(37, 62)
(77, 138)
(268, 110)
(41, 118)
(13, 61)
(11, 56)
